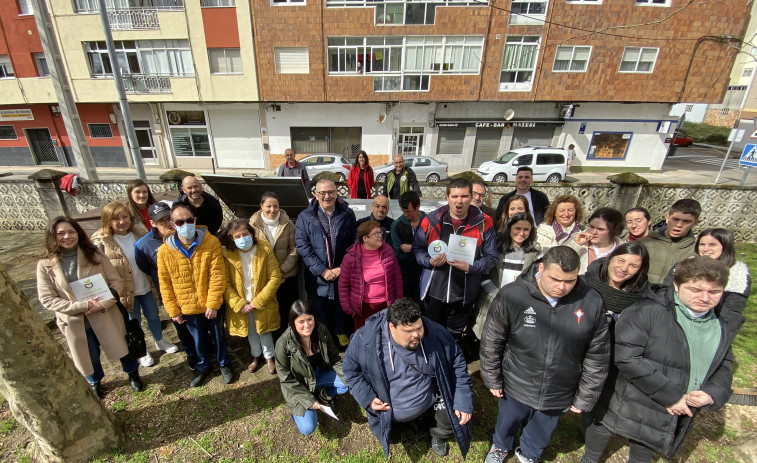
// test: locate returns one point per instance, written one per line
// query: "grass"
(7, 426)
(745, 345)
(706, 133)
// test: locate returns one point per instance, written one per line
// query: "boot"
(135, 381)
(257, 362)
(97, 389)
(271, 364)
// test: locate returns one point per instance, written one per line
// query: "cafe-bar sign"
(496, 124)
(16, 115)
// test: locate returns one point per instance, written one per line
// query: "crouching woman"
(309, 367)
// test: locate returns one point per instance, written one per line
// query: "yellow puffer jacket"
(190, 286)
(265, 268)
(113, 251)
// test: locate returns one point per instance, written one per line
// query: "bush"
(469, 175)
(706, 133)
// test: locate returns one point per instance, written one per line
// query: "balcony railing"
(142, 83)
(125, 19)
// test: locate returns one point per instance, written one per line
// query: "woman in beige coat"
(87, 325)
(274, 226)
(117, 238)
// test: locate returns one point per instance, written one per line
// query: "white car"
(327, 162)
(549, 164)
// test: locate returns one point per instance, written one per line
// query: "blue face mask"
(244, 243)
(186, 231)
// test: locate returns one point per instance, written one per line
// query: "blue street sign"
(749, 156)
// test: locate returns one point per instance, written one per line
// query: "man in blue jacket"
(324, 231)
(402, 367)
(146, 255)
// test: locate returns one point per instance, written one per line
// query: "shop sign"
(500, 124)
(524, 124)
(186, 117)
(16, 115)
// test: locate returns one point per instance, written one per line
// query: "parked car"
(425, 168)
(549, 164)
(327, 162)
(681, 139)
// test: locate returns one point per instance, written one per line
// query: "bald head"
(399, 163)
(191, 187)
(380, 207)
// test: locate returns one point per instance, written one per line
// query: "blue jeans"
(186, 339)
(201, 329)
(146, 303)
(329, 313)
(128, 364)
(538, 427)
(329, 381)
(260, 344)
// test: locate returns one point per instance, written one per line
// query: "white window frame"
(25, 8)
(99, 125)
(142, 57)
(658, 3)
(638, 60)
(217, 3)
(40, 61)
(535, 46)
(292, 52)
(6, 68)
(288, 2)
(91, 6)
(229, 60)
(528, 17)
(572, 60)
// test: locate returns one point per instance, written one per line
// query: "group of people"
(629, 325)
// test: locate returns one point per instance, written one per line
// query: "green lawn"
(745, 345)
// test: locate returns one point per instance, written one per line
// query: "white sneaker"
(147, 360)
(166, 347)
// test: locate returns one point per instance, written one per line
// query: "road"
(705, 162)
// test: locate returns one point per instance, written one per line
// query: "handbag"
(135, 336)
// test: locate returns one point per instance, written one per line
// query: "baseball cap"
(159, 210)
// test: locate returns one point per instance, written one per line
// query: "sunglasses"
(182, 222)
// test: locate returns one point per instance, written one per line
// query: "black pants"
(435, 419)
(597, 438)
(452, 315)
(287, 293)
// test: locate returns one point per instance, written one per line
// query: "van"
(549, 164)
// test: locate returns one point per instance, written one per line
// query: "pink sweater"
(373, 275)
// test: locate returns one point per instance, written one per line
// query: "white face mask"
(186, 231)
(244, 243)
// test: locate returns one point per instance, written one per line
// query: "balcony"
(130, 19)
(143, 83)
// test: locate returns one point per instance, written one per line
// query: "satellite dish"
(382, 118)
(509, 114)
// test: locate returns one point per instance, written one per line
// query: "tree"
(45, 392)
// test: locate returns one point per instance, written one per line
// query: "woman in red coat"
(370, 275)
(361, 177)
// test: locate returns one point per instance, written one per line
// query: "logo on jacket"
(530, 311)
(579, 314)
(530, 319)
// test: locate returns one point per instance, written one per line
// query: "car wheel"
(341, 177)
(689, 143)
(500, 178)
(432, 178)
(381, 178)
(554, 178)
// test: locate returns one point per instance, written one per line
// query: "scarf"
(560, 235)
(270, 227)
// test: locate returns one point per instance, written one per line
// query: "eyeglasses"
(323, 194)
(377, 234)
(480, 195)
(182, 222)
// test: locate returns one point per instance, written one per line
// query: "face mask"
(186, 231)
(244, 243)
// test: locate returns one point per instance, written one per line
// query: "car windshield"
(507, 157)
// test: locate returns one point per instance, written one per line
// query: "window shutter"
(290, 60)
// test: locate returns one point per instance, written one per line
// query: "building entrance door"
(146, 145)
(42, 147)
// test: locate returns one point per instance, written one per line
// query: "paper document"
(91, 287)
(327, 410)
(461, 248)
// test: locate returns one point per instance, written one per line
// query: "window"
(146, 57)
(287, 2)
(519, 62)
(543, 159)
(638, 59)
(216, 3)
(528, 12)
(100, 131)
(7, 132)
(292, 60)
(91, 6)
(571, 59)
(225, 60)
(609, 145)
(41, 62)
(653, 2)
(344, 141)
(25, 7)
(6, 68)
(747, 72)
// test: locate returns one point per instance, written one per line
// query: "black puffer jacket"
(544, 357)
(652, 355)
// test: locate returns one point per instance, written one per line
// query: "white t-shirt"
(530, 203)
(249, 277)
(140, 279)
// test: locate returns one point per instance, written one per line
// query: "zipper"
(548, 356)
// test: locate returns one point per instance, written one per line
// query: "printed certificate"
(91, 287)
(461, 248)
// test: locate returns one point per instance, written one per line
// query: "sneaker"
(166, 347)
(439, 446)
(147, 360)
(344, 341)
(199, 378)
(523, 459)
(97, 389)
(496, 455)
(227, 375)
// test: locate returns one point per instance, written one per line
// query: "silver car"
(426, 169)
(327, 162)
